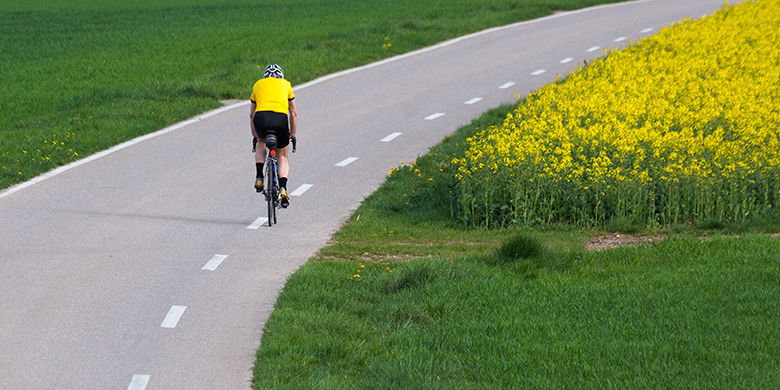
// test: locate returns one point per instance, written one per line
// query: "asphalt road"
(110, 274)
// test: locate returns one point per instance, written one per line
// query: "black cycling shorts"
(274, 123)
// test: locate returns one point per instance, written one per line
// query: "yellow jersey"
(272, 94)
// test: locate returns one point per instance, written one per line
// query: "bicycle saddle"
(270, 141)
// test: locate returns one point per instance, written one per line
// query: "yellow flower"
(684, 120)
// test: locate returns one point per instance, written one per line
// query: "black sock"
(283, 182)
(259, 167)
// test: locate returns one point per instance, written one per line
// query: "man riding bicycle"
(273, 111)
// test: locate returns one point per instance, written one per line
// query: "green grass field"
(679, 314)
(81, 76)
(405, 297)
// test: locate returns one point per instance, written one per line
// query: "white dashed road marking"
(346, 161)
(473, 100)
(567, 60)
(506, 85)
(138, 382)
(214, 262)
(594, 48)
(620, 39)
(538, 72)
(173, 316)
(257, 223)
(300, 190)
(434, 116)
(390, 137)
(647, 30)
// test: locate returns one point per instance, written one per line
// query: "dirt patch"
(619, 240)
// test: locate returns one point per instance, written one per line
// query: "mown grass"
(404, 297)
(680, 314)
(78, 77)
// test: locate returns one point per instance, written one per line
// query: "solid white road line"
(214, 262)
(173, 316)
(647, 30)
(390, 137)
(473, 100)
(538, 72)
(300, 190)
(257, 223)
(138, 382)
(434, 116)
(346, 161)
(567, 60)
(506, 85)
(594, 48)
(619, 39)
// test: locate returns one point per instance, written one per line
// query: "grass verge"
(404, 297)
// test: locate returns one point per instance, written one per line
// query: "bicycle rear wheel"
(270, 194)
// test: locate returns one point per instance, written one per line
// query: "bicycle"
(271, 184)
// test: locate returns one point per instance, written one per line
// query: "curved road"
(144, 269)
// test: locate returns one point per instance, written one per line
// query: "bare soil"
(618, 240)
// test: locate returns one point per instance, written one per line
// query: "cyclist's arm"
(293, 118)
(252, 108)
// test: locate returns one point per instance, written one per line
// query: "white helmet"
(274, 71)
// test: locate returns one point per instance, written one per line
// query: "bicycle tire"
(274, 208)
(276, 189)
(269, 192)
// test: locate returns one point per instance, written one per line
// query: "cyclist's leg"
(259, 166)
(284, 163)
(283, 134)
(261, 126)
(284, 170)
(260, 151)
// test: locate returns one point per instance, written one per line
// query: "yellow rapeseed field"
(680, 127)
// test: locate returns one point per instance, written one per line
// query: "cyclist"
(273, 110)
